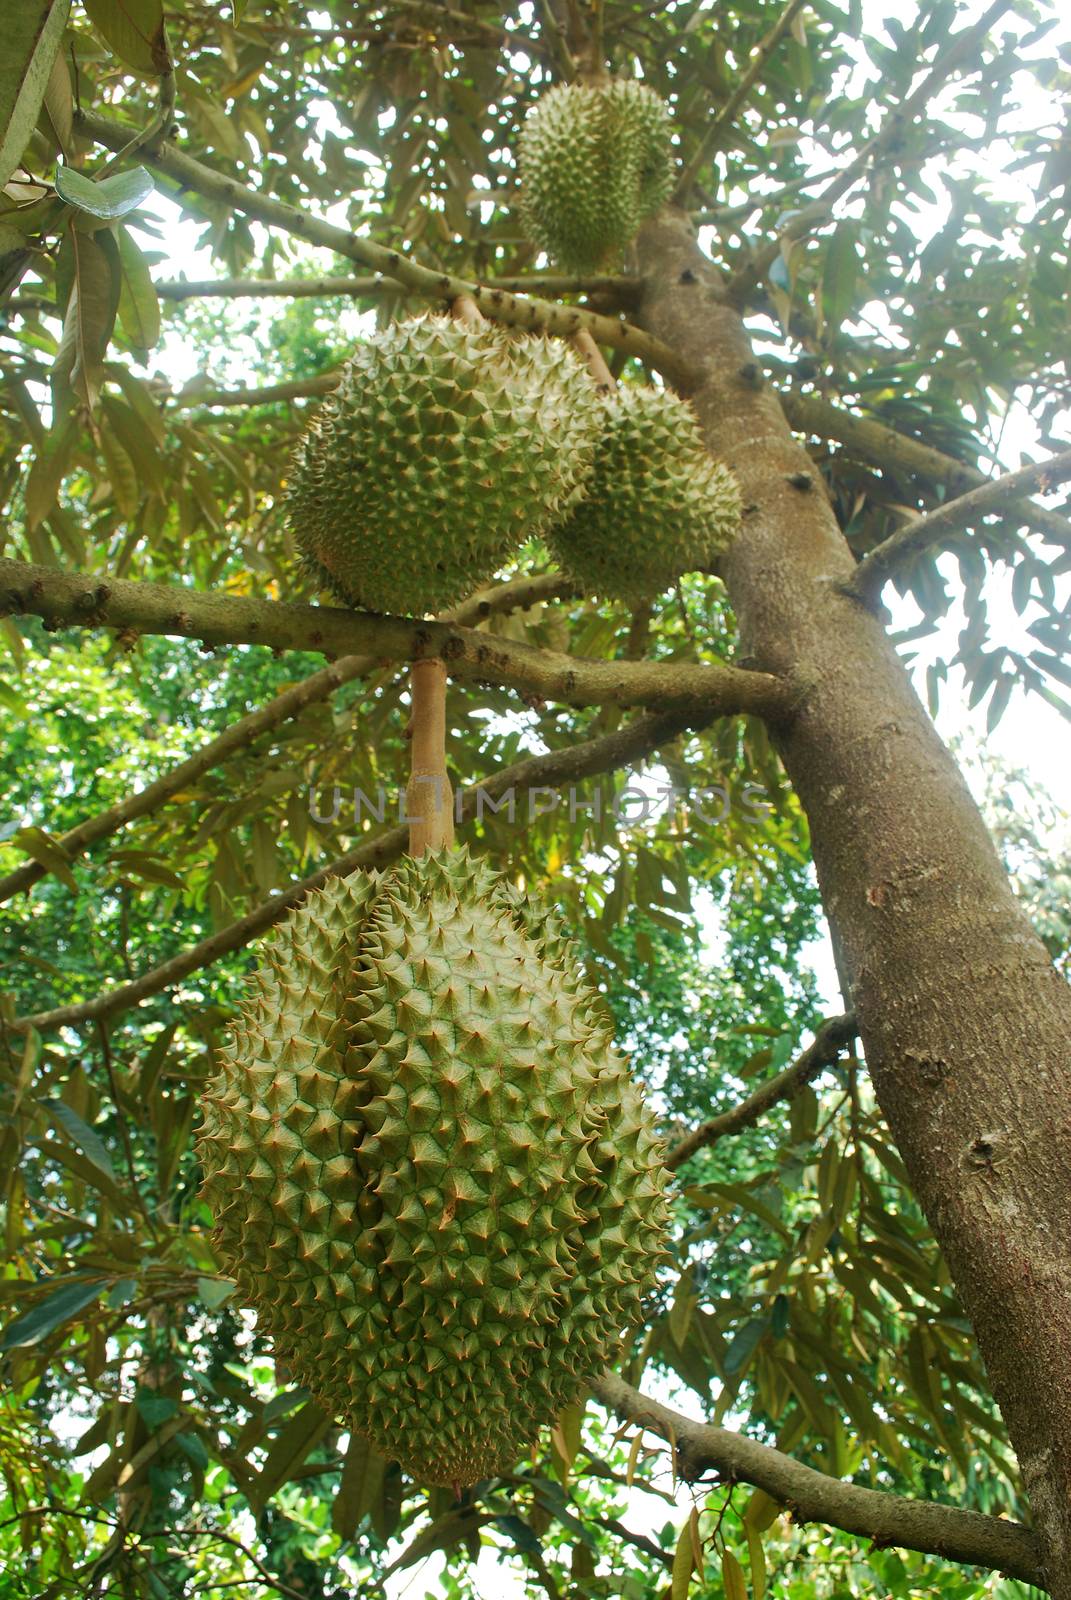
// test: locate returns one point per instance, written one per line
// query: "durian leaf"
(452, 1528)
(33, 31)
(85, 1137)
(289, 1449)
(48, 851)
(50, 1313)
(732, 1577)
(683, 1564)
(361, 1482)
(107, 199)
(135, 31)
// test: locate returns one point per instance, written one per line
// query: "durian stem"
(465, 309)
(429, 799)
(583, 341)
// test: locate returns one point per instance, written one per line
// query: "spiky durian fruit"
(595, 160)
(430, 1171)
(657, 504)
(444, 447)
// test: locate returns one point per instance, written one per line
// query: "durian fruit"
(430, 1171)
(445, 446)
(657, 503)
(595, 160)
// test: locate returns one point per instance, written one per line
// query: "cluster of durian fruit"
(448, 445)
(430, 1171)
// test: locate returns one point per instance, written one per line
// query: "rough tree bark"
(965, 1023)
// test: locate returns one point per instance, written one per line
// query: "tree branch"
(258, 394)
(884, 447)
(630, 743)
(89, 600)
(517, 595)
(300, 288)
(887, 1519)
(521, 312)
(830, 1039)
(989, 499)
(726, 115)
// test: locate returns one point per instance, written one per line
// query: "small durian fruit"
(595, 160)
(430, 1171)
(445, 446)
(657, 503)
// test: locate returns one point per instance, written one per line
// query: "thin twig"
(830, 1039)
(726, 115)
(746, 278)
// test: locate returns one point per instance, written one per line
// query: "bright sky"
(1031, 736)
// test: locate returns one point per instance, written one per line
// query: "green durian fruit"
(430, 1171)
(445, 446)
(595, 160)
(657, 503)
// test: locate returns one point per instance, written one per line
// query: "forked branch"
(923, 533)
(832, 1037)
(886, 448)
(811, 1496)
(89, 600)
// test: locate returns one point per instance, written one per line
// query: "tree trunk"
(965, 1022)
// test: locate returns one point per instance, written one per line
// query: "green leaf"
(47, 852)
(139, 307)
(743, 1344)
(85, 1137)
(840, 275)
(105, 198)
(33, 30)
(362, 1478)
(89, 318)
(49, 1314)
(449, 1530)
(302, 1433)
(154, 1408)
(88, 1171)
(732, 1577)
(214, 1291)
(193, 1449)
(135, 31)
(521, 1534)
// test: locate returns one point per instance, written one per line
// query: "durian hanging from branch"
(447, 444)
(595, 160)
(656, 504)
(430, 1171)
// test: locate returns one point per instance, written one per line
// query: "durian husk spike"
(429, 798)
